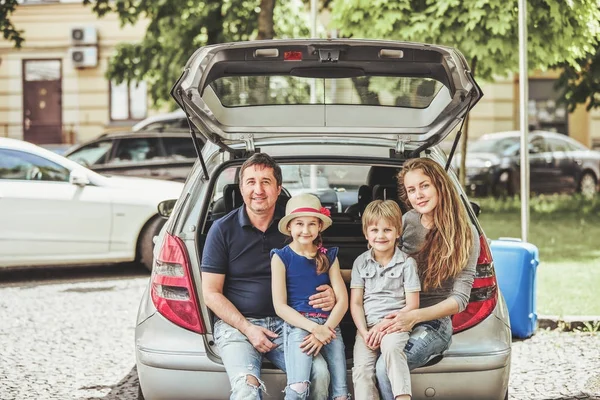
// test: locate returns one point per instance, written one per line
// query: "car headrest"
(382, 176)
(365, 194)
(386, 192)
(232, 196)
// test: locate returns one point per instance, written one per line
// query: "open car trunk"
(406, 92)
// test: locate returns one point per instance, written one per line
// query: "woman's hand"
(311, 345)
(325, 299)
(401, 321)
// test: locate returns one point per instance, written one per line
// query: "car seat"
(365, 196)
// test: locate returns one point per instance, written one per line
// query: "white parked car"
(56, 212)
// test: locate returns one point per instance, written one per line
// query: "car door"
(46, 219)
(568, 167)
(544, 171)
(137, 156)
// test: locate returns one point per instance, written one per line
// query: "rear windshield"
(407, 92)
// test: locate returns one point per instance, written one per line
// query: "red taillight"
(292, 56)
(172, 292)
(484, 294)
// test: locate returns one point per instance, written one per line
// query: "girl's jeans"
(427, 340)
(241, 359)
(299, 364)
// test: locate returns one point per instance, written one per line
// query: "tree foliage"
(580, 83)
(9, 32)
(559, 31)
(178, 27)
(485, 31)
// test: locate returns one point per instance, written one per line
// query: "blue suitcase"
(516, 264)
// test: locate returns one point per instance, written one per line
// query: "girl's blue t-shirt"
(302, 279)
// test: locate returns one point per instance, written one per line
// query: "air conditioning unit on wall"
(84, 35)
(84, 57)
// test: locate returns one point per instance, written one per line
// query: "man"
(236, 283)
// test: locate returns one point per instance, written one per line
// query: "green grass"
(568, 276)
(568, 288)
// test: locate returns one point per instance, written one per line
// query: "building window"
(128, 101)
(545, 112)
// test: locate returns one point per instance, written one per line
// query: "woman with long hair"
(438, 234)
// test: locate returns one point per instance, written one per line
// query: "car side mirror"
(165, 208)
(79, 177)
(476, 208)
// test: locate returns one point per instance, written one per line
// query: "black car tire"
(504, 188)
(587, 184)
(146, 241)
(505, 396)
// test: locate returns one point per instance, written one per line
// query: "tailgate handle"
(329, 55)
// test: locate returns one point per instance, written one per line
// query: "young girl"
(297, 270)
(384, 280)
(439, 235)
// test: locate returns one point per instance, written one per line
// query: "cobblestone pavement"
(75, 341)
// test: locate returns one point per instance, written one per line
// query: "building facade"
(54, 89)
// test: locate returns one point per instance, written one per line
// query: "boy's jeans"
(427, 340)
(299, 364)
(241, 359)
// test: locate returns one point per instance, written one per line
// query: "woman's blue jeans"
(427, 340)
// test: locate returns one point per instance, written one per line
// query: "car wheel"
(505, 396)
(146, 241)
(504, 185)
(587, 185)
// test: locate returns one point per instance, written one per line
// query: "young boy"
(384, 279)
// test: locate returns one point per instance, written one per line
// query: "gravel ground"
(75, 341)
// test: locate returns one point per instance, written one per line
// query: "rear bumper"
(173, 363)
(169, 384)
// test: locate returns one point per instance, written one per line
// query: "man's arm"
(212, 291)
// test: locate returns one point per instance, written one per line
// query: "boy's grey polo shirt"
(384, 286)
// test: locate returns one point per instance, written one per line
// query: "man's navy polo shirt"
(235, 248)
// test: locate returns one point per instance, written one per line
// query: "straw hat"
(304, 205)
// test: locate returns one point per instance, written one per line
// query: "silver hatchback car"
(341, 117)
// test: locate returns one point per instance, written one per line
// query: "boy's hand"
(311, 345)
(323, 334)
(375, 335)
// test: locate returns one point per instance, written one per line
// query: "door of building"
(42, 101)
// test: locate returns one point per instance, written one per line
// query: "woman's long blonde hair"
(448, 243)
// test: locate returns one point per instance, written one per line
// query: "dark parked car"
(162, 155)
(557, 164)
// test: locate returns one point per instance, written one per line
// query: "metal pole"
(524, 119)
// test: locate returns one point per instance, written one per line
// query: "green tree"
(177, 28)
(580, 83)
(485, 31)
(9, 32)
